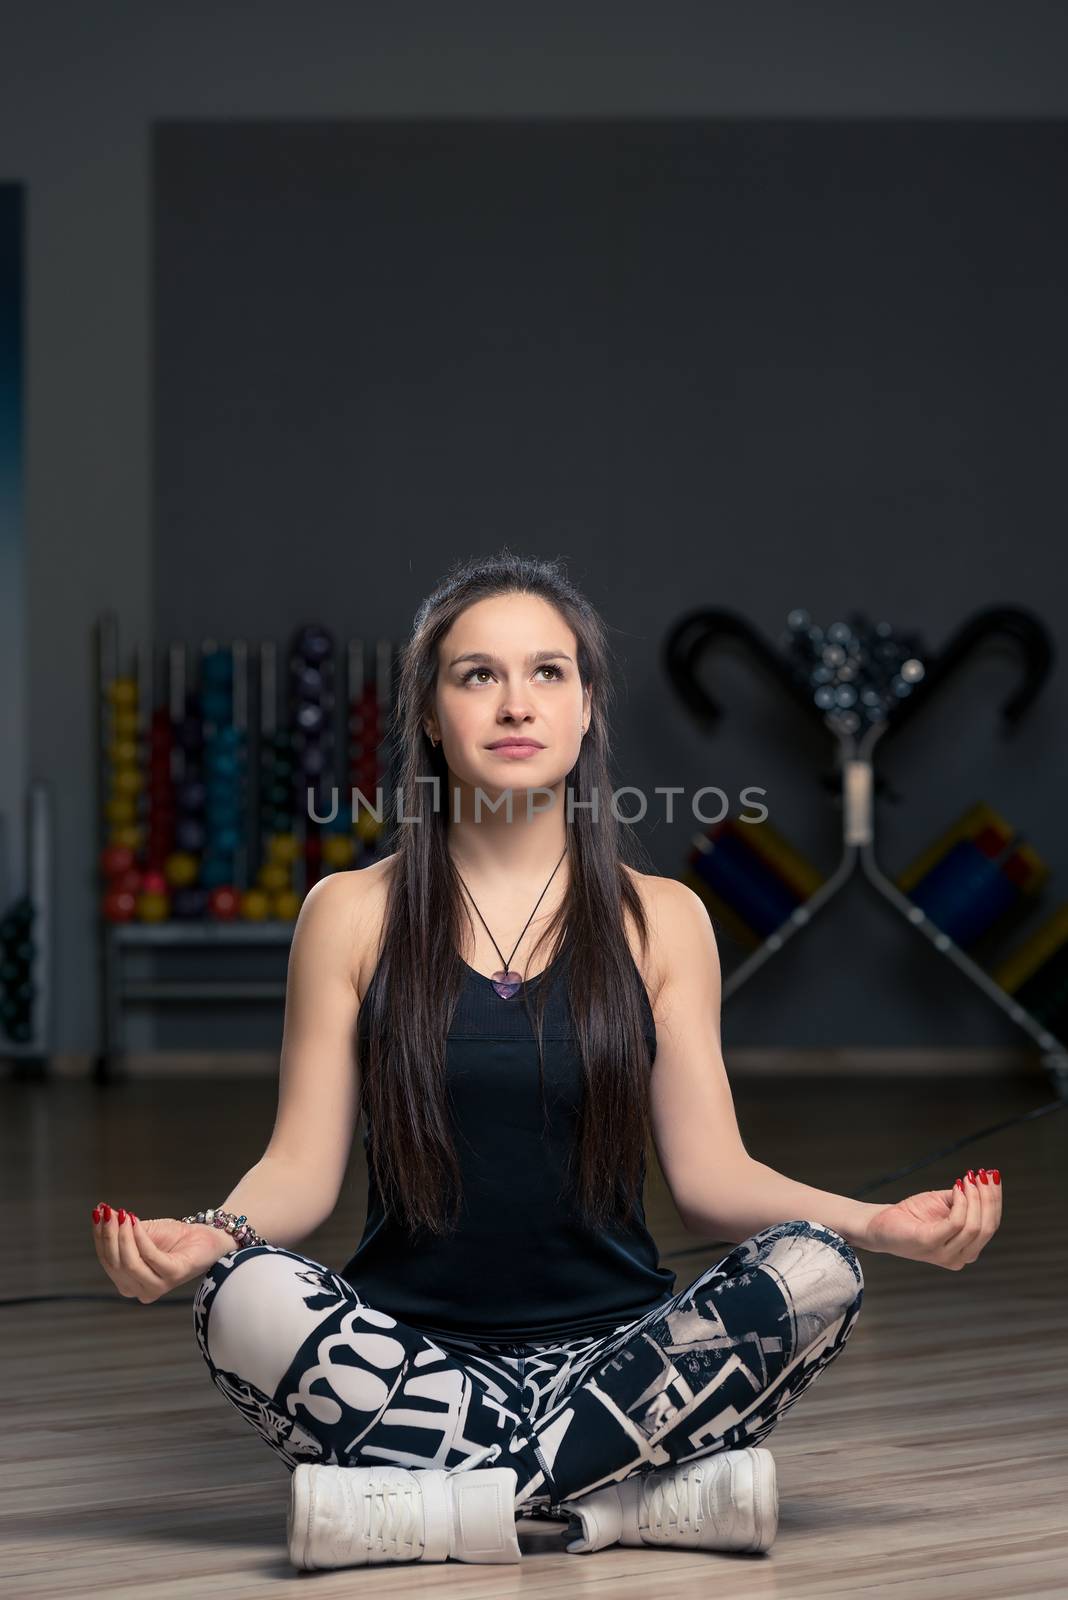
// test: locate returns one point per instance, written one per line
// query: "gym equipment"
(370, 699)
(978, 872)
(748, 884)
(857, 727)
(753, 873)
(26, 941)
(223, 821)
(312, 705)
(857, 670)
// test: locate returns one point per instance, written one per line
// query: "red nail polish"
(107, 1213)
(133, 1219)
(121, 1214)
(982, 1175)
(997, 1175)
(959, 1185)
(96, 1213)
(971, 1177)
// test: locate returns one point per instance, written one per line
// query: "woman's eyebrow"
(493, 661)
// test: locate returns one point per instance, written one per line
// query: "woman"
(529, 1011)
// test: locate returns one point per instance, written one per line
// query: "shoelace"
(670, 1504)
(391, 1516)
(488, 1452)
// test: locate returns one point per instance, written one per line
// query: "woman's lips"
(515, 751)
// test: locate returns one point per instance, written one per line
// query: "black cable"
(697, 1249)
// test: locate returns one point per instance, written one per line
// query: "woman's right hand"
(147, 1259)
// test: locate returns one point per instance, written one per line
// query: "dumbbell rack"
(857, 778)
(30, 1056)
(117, 990)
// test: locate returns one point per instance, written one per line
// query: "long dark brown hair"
(420, 974)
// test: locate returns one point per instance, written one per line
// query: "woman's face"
(508, 670)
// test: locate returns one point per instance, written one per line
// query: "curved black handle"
(694, 633)
(1021, 627)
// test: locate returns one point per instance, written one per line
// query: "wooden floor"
(928, 1460)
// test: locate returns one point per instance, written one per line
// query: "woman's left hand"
(943, 1227)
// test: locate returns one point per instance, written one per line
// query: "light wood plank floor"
(928, 1460)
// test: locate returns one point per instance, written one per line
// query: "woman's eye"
(549, 667)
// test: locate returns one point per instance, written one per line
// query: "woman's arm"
(281, 1201)
(759, 1196)
(294, 1186)
(718, 1189)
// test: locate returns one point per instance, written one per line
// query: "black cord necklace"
(506, 982)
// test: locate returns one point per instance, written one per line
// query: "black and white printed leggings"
(324, 1377)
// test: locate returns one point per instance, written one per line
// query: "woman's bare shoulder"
(655, 894)
(370, 887)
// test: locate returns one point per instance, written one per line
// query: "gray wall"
(754, 364)
(80, 95)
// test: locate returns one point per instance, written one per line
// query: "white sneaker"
(362, 1516)
(728, 1501)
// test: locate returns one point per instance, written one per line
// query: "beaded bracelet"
(238, 1226)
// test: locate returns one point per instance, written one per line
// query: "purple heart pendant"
(507, 984)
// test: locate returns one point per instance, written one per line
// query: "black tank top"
(521, 1265)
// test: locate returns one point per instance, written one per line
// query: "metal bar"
(137, 989)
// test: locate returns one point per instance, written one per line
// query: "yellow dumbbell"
(127, 780)
(285, 905)
(122, 691)
(273, 876)
(283, 848)
(152, 907)
(338, 849)
(181, 868)
(255, 906)
(121, 808)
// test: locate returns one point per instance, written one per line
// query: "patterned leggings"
(324, 1377)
